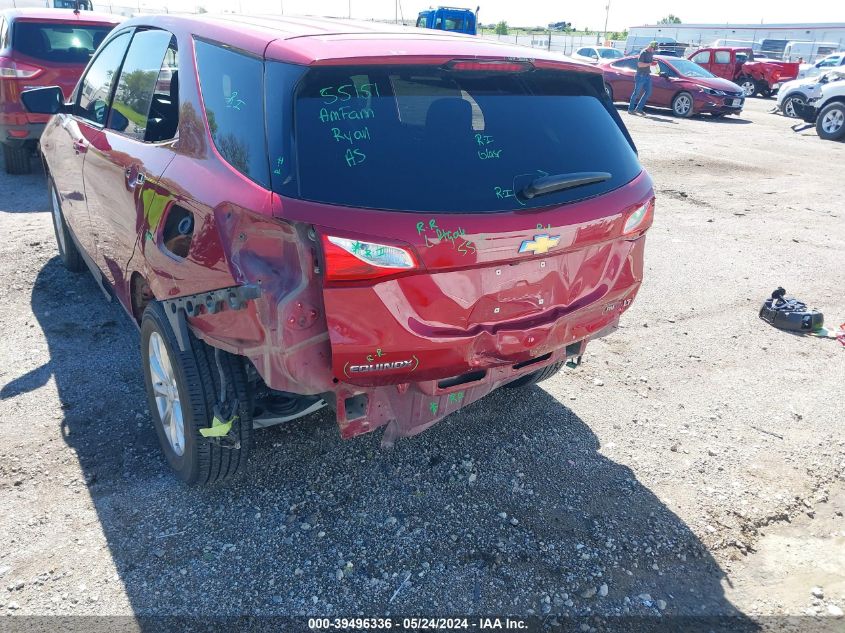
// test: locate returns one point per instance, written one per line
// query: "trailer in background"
(809, 52)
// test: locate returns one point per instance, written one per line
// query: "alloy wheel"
(833, 121)
(789, 106)
(682, 105)
(748, 88)
(166, 392)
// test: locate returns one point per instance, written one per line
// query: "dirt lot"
(693, 465)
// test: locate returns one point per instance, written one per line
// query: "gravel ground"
(693, 465)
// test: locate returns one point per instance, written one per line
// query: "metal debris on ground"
(790, 314)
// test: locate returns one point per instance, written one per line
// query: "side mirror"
(665, 75)
(48, 100)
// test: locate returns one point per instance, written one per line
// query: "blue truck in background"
(449, 19)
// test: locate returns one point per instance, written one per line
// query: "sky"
(582, 14)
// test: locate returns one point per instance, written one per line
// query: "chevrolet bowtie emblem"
(540, 244)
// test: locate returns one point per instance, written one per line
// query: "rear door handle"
(80, 146)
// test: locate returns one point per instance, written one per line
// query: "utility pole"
(606, 16)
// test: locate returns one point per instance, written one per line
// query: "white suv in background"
(831, 61)
(801, 91)
(830, 111)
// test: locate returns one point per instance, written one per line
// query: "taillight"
(348, 259)
(489, 66)
(10, 69)
(639, 218)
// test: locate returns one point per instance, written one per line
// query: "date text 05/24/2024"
(418, 623)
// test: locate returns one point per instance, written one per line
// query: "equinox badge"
(540, 244)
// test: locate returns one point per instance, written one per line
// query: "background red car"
(679, 84)
(40, 47)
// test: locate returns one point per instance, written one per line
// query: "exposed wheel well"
(837, 99)
(140, 295)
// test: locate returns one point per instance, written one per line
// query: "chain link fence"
(565, 44)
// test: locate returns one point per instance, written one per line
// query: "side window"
(723, 57)
(95, 90)
(163, 121)
(702, 58)
(232, 86)
(139, 78)
(625, 64)
(454, 24)
(4, 33)
(663, 67)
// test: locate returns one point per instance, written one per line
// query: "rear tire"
(18, 159)
(830, 124)
(68, 251)
(683, 105)
(608, 91)
(193, 380)
(535, 376)
(788, 106)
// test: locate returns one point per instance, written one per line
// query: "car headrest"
(449, 115)
(98, 38)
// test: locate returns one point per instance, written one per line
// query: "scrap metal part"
(211, 302)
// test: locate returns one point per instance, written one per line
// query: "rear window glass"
(610, 53)
(60, 43)
(429, 139)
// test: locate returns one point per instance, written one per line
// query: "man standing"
(642, 83)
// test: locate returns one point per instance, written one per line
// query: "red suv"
(302, 213)
(40, 47)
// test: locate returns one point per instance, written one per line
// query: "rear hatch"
(468, 214)
(53, 53)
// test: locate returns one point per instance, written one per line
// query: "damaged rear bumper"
(411, 408)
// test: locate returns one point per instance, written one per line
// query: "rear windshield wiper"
(549, 184)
